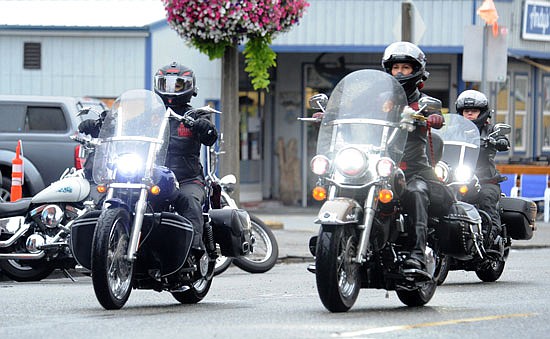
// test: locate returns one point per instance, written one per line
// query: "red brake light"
(78, 161)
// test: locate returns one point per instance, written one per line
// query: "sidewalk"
(293, 227)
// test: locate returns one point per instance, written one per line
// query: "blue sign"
(536, 21)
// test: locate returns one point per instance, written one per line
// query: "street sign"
(497, 55)
(418, 24)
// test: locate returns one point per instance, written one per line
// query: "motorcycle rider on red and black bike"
(407, 63)
(176, 84)
(474, 106)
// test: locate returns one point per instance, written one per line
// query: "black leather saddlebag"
(458, 230)
(231, 228)
(82, 235)
(519, 215)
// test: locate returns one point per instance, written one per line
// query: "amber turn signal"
(155, 190)
(385, 196)
(463, 189)
(101, 189)
(319, 193)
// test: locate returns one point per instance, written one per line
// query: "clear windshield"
(132, 138)
(363, 112)
(461, 141)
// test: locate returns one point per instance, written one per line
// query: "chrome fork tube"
(141, 205)
(366, 228)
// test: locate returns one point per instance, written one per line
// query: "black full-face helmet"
(406, 52)
(474, 99)
(175, 84)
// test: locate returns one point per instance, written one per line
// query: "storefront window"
(520, 112)
(546, 113)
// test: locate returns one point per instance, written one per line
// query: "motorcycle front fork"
(366, 227)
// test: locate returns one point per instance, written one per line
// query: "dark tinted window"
(45, 119)
(12, 117)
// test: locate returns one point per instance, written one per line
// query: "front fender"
(340, 211)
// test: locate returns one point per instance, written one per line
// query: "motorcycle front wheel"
(491, 270)
(337, 275)
(20, 271)
(222, 264)
(199, 288)
(112, 273)
(265, 250)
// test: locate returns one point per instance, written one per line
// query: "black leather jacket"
(486, 169)
(184, 147)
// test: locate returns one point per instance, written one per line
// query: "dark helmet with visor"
(406, 52)
(175, 84)
(474, 99)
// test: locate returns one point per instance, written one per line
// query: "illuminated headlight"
(442, 171)
(351, 162)
(129, 164)
(319, 164)
(51, 216)
(463, 173)
(384, 167)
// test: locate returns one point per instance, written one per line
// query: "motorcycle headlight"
(463, 173)
(442, 171)
(351, 162)
(319, 164)
(128, 164)
(384, 167)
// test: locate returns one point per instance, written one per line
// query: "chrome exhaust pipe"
(22, 229)
(22, 256)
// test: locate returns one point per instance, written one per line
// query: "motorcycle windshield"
(460, 142)
(131, 138)
(363, 113)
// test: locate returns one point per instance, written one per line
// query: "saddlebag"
(231, 228)
(519, 215)
(459, 230)
(82, 235)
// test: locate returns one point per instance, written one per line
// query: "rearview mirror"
(502, 129)
(430, 105)
(318, 101)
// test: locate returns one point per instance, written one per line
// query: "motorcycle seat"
(11, 209)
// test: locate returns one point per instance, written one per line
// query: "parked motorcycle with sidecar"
(136, 240)
(461, 147)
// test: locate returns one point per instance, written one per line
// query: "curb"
(274, 225)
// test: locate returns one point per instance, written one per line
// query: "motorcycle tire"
(265, 251)
(19, 271)
(442, 269)
(198, 289)
(337, 276)
(222, 264)
(492, 271)
(112, 274)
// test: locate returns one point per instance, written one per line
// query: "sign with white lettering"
(536, 21)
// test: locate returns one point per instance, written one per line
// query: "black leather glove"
(502, 144)
(89, 126)
(202, 126)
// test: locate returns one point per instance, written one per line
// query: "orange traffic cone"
(17, 174)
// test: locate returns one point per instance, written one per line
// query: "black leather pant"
(189, 204)
(415, 202)
(487, 200)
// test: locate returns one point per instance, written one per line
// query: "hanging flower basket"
(213, 25)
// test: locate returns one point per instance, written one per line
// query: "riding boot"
(416, 204)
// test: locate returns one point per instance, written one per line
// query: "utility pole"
(407, 21)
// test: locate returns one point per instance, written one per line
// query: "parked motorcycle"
(264, 249)
(34, 232)
(137, 240)
(362, 240)
(456, 169)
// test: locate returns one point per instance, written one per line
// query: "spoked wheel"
(222, 264)
(265, 249)
(22, 271)
(199, 288)
(337, 275)
(111, 271)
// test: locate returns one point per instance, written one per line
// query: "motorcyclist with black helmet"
(474, 106)
(176, 85)
(407, 63)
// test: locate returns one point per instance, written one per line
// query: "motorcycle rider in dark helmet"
(176, 84)
(407, 63)
(474, 106)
